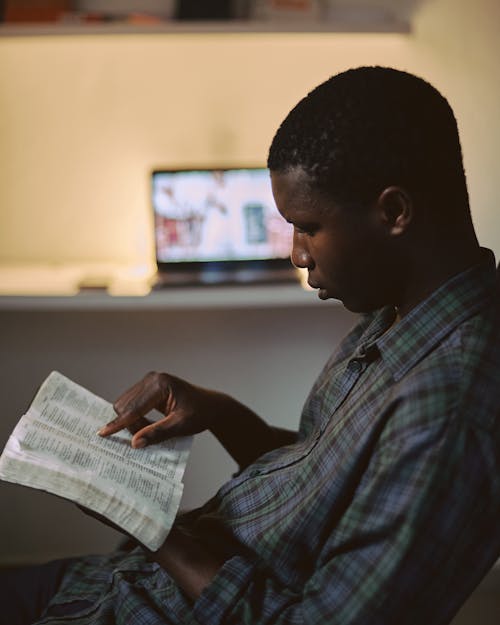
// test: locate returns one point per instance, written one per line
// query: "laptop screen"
(217, 215)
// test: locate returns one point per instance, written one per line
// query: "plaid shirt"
(385, 511)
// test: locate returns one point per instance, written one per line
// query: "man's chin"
(325, 294)
(348, 303)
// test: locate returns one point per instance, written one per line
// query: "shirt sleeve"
(412, 524)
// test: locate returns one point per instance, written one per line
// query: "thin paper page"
(55, 447)
(72, 412)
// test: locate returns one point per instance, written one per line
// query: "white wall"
(83, 119)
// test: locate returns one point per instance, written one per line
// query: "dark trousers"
(26, 591)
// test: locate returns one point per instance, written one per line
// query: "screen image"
(217, 215)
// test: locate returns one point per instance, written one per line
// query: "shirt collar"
(406, 342)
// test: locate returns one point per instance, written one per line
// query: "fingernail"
(101, 431)
(140, 442)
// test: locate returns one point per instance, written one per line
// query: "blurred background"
(93, 96)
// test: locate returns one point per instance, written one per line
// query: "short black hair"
(372, 127)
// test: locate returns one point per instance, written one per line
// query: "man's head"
(374, 155)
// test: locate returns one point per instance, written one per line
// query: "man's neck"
(432, 271)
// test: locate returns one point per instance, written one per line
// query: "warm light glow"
(84, 119)
(302, 274)
(88, 117)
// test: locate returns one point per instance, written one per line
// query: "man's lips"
(322, 293)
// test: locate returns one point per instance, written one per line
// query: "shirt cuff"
(223, 591)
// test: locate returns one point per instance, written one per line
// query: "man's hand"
(186, 559)
(188, 562)
(187, 409)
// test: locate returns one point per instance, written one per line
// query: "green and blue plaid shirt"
(386, 510)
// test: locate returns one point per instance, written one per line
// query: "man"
(384, 507)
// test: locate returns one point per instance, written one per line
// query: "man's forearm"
(243, 433)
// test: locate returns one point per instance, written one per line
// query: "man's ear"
(395, 209)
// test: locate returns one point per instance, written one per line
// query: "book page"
(55, 447)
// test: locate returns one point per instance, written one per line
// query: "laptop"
(218, 226)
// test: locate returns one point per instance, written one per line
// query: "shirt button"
(355, 366)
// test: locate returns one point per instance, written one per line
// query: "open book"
(55, 448)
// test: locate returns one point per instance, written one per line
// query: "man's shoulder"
(480, 390)
(461, 375)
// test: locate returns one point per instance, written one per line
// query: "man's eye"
(309, 230)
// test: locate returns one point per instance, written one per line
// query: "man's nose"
(300, 254)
